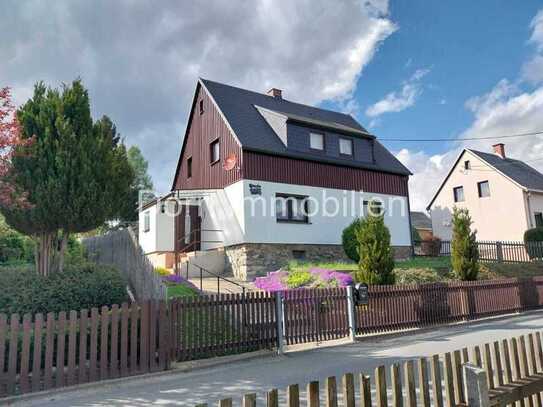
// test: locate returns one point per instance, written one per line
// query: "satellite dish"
(230, 162)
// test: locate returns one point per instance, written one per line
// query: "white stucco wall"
(535, 205)
(261, 225)
(160, 237)
(501, 216)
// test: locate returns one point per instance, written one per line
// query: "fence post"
(476, 386)
(280, 312)
(499, 252)
(351, 313)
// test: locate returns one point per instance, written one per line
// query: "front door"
(188, 224)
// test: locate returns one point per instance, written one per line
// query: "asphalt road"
(259, 375)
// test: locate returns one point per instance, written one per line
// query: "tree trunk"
(44, 258)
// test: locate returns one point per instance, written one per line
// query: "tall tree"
(76, 171)
(142, 182)
(10, 139)
(464, 250)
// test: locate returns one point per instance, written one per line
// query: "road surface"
(259, 375)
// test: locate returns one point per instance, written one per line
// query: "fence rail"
(502, 251)
(121, 249)
(44, 352)
(510, 366)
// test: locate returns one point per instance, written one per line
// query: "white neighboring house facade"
(262, 181)
(504, 196)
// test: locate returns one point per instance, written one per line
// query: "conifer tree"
(75, 171)
(464, 251)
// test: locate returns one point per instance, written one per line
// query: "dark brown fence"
(54, 351)
(394, 308)
(503, 251)
(315, 315)
(217, 325)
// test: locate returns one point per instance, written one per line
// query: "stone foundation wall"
(250, 260)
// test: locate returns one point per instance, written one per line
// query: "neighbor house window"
(201, 106)
(316, 141)
(291, 208)
(538, 219)
(458, 194)
(467, 165)
(483, 188)
(146, 221)
(345, 146)
(189, 167)
(214, 151)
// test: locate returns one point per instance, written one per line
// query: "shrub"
(532, 237)
(161, 271)
(348, 239)
(14, 246)
(78, 286)
(464, 251)
(376, 260)
(298, 278)
(415, 236)
(416, 276)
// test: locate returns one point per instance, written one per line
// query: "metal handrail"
(202, 269)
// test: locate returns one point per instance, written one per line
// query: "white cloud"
(400, 100)
(140, 60)
(504, 110)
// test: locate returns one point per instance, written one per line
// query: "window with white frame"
(146, 221)
(214, 149)
(483, 188)
(291, 208)
(458, 193)
(316, 141)
(345, 146)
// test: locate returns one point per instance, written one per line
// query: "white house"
(504, 196)
(262, 180)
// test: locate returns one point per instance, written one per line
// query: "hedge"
(81, 286)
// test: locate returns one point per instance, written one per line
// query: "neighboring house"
(243, 150)
(504, 196)
(422, 224)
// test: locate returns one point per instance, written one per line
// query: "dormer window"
(345, 146)
(316, 141)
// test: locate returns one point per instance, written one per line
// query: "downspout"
(410, 225)
(529, 210)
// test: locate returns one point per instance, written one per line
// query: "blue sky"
(468, 46)
(405, 68)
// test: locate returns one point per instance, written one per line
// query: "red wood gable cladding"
(210, 126)
(204, 129)
(286, 170)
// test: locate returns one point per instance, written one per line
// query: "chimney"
(276, 93)
(499, 149)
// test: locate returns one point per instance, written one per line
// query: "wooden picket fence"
(397, 307)
(512, 367)
(315, 315)
(217, 325)
(42, 353)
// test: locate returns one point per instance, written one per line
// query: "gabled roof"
(420, 220)
(520, 172)
(517, 171)
(239, 108)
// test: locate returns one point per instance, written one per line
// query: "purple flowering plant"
(314, 278)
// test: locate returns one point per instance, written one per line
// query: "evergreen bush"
(464, 251)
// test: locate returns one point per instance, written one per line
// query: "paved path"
(259, 375)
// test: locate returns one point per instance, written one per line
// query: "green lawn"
(419, 262)
(180, 290)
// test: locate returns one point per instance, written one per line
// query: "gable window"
(146, 221)
(345, 146)
(316, 141)
(214, 151)
(201, 106)
(538, 216)
(291, 208)
(467, 165)
(458, 193)
(483, 188)
(189, 167)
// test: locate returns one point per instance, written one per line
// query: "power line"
(535, 133)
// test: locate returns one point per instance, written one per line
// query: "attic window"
(345, 146)
(467, 165)
(214, 151)
(316, 141)
(201, 105)
(189, 167)
(146, 222)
